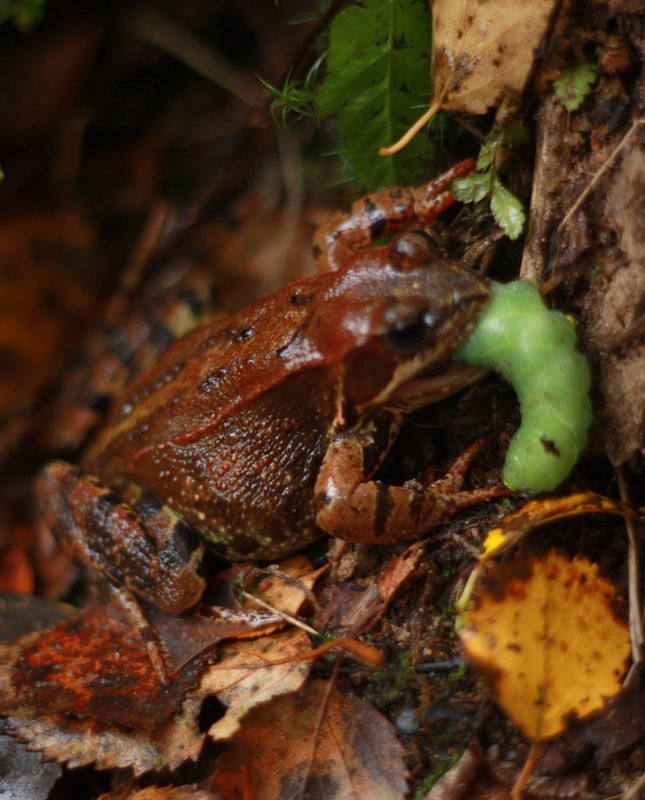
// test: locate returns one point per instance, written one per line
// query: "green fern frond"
(378, 82)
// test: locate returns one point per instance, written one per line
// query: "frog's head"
(395, 316)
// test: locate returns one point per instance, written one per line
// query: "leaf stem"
(411, 132)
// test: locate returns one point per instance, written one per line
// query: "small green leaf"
(471, 189)
(507, 210)
(516, 134)
(487, 151)
(574, 85)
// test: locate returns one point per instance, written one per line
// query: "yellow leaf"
(547, 638)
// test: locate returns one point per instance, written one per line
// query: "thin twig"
(600, 173)
(634, 586)
(287, 617)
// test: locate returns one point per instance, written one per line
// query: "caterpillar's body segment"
(534, 350)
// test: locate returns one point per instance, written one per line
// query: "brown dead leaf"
(465, 780)
(314, 743)
(85, 692)
(353, 608)
(164, 793)
(288, 588)
(398, 570)
(483, 52)
(246, 676)
(546, 636)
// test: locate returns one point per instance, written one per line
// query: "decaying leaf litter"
(561, 257)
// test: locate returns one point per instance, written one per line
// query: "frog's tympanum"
(256, 433)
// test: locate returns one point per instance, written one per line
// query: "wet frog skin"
(255, 434)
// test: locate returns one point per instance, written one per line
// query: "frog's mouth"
(433, 384)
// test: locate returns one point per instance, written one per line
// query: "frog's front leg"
(134, 540)
(373, 512)
(382, 212)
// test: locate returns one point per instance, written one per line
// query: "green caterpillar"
(534, 350)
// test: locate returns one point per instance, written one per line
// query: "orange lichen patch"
(85, 692)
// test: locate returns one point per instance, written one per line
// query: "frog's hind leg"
(137, 543)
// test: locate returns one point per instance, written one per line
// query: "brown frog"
(254, 434)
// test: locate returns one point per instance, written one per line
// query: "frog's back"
(228, 432)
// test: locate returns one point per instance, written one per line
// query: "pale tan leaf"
(246, 675)
(483, 51)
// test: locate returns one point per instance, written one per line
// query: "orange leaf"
(85, 692)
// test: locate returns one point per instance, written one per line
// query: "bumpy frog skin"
(254, 434)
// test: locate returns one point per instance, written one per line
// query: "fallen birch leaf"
(547, 638)
(317, 743)
(483, 52)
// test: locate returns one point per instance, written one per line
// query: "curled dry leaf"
(314, 743)
(514, 527)
(546, 636)
(246, 675)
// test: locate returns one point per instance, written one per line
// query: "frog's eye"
(409, 338)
